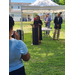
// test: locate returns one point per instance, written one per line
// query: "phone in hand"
(13, 35)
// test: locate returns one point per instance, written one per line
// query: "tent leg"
(21, 19)
(53, 15)
(27, 17)
(42, 15)
(32, 17)
(21, 25)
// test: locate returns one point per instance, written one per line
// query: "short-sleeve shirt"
(16, 49)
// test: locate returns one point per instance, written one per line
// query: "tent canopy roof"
(44, 3)
(43, 9)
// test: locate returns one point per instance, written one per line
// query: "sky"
(25, 1)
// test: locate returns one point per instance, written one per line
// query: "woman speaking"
(17, 52)
(39, 22)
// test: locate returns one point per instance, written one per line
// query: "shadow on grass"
(46, 48)
(48, 58)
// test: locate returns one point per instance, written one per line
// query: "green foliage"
(60, 2)
(34, 15)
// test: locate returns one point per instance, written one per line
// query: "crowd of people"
(18, 50)
(57, 24)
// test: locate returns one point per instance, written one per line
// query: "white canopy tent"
(41, 6)
(44, 3)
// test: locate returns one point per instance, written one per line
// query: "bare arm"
(26, 57)
(17, 36)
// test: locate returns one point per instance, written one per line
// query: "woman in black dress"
(39, 22)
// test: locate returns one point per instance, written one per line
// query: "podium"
(35, 34)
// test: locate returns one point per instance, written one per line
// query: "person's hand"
(17, 36)
(39, 24)
(57, 25)
(47, 26)
(46, 21)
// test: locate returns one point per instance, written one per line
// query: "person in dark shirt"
(39, 22)
(57, 21)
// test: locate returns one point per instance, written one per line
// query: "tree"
(60, 2)
(34, 14)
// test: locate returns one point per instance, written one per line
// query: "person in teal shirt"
(17, 53)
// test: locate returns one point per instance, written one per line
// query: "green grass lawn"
(47, 58)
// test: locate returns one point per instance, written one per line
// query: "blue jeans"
(48, 32)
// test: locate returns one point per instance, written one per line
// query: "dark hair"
(11, 22)
(60, 13)
(48, 14)
(38, 16)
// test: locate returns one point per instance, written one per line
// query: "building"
(16, 12)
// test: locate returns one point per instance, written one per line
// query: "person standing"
(39, 22)
(57, 21)
(35, 18)
(17, 52)
(47, 22)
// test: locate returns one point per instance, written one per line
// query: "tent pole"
(32, 18)
(42, 15)
(21, 19)
(21, 25)
(53, 15)
(27, 17)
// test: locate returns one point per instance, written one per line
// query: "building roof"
(20, 3)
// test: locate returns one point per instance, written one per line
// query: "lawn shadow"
(47, 48)
(46, 58)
